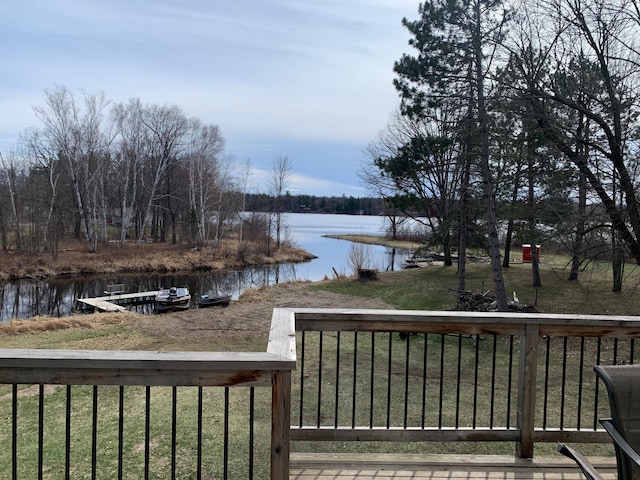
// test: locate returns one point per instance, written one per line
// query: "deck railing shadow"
(328, 375)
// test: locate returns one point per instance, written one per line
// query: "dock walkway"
(114, 303)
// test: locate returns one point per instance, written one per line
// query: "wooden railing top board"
(143, 360)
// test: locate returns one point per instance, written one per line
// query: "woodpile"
(486, 302)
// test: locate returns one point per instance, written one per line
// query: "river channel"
(28, 298)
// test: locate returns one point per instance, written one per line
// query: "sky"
(309, 79)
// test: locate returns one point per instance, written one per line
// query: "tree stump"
(367, 274)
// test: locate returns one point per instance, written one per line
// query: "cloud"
(298, 184)
(295, 73)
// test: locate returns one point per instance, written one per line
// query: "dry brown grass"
(378, 240)
(113, 258)
(47, 324)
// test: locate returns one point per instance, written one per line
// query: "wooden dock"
(114, 303)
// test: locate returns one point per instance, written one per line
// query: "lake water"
(28, 298)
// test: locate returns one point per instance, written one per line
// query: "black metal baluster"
(509, 387)
(372, 379)
(14, 431)
(199, 437)
(406, 381)
(389, 376)
(424, 381)
(174, 429)
(597, 386)
(302, 356)
(94, 434)
(226, 433)
(147, 430)
(546, 383)
(493, 381)
(355, 378)
(337, 398)
(580, 382)
(563, 385)
(252, 395)
(40, 430)
(120, 432)
(475, 381)
(458, 380)
(320, 355)
(441, 386)
(67, 435)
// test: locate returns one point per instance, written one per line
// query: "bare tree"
(132, 147)
(601, 36)
(10, 168)
(244, 182)
(420, 156)
(167, 127)
(206, 183)
(279, 182)
(42, 159)
(73, 131)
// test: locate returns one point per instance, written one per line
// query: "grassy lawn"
(434, 288)
(428, 288)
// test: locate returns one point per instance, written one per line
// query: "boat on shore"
(173, 299)
(214, 301)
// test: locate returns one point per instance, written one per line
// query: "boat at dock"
(173, 299)
(214, 301)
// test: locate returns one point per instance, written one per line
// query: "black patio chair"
(623, 387)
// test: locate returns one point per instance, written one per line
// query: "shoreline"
(378, 240)
(133, 259)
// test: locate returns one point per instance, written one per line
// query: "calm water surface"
(26, 299)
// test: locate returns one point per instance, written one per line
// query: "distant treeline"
(312, 204)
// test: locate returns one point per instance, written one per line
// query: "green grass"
(430, 288)
(434, 288)
(451, 395)
(134, 432)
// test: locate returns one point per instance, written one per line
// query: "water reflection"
(56, 298)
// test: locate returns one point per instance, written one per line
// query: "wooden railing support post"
(280, 423)
(527, 374)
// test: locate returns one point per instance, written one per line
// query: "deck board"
(308, 466)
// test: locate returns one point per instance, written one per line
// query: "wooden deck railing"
(516, 378)
(520, 378)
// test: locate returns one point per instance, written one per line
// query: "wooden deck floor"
(450, 467)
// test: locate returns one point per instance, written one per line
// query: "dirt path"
(245, 322)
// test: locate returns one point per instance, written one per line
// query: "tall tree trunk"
(617, 262)
(485, 170)
(464, 224)
(507, 244)
(578, 239)
(89, 233)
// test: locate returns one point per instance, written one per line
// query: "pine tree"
(456, 41)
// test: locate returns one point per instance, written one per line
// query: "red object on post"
(526, 252)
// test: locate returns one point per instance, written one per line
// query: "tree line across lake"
(262, 202)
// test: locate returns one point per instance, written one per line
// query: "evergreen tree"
(456, 40)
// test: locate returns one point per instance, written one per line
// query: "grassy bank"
(434, 288)
(378, 240)
(113, 258)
